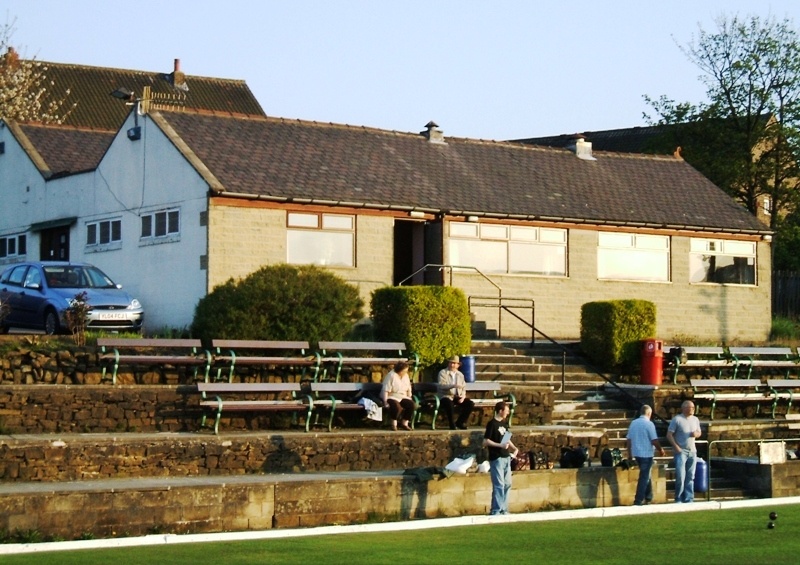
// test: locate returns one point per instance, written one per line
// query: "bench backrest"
(248, 387)
(258, 344)
(725, 383)
(145, 342)
(783, 383)
(703, 350)
(482, 386)
(362, 346)
(782, 351)
(344, 387)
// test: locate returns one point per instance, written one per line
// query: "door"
(54, 244)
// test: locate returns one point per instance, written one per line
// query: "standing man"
(500, 452)
(683, 430)
(452, 393)
(642, 440)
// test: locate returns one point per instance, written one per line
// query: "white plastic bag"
(460, 466)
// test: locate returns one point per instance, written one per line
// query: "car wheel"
(51, 325)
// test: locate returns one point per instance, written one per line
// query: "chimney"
(432, 133)
(581, 148)
(178, 79)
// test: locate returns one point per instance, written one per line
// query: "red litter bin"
(652, 361)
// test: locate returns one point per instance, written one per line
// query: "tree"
(26, 94)
(745, 138)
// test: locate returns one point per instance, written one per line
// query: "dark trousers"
(448, 406)
(401, 410)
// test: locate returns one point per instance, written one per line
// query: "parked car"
(38, 294)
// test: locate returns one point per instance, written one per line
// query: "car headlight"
(134, 304)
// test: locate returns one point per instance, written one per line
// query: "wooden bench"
(702, 357)
(719, 390)
(782, 358)
(221, 402)
(338, 354)
(793, 421)
(232, 353)
(332, 397)
(783, 389)
(134, 351)
(427, 398)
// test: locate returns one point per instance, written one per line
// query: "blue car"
(37, 295)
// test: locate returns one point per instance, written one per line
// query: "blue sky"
(500, 69)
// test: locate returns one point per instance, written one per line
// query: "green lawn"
(725, 537)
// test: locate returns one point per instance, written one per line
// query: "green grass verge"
(724, 537)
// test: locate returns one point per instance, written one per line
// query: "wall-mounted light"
(416, 214)
(767, 237)
(130, 99)
(472, 218)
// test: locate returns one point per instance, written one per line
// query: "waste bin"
(701, 476)
(652, 362)
(468, 368)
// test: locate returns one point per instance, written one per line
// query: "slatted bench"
(330, 398)
(427, 398)
(232, 353)
(702, 357)
(783, 389)
(782, 358)
(135, 351)
(338, 354)
(297, 403)
(720, 390)
(793, 421)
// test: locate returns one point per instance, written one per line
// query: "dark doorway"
(54, 244)
(409, 251)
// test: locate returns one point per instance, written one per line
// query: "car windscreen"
(74, 276)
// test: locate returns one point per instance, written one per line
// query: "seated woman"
(396, 396)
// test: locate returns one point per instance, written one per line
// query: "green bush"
(784, 328)
(612, 332)
(280, 302)
(433, 321)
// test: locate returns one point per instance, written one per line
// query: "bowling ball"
(773, 515)
(771, 525)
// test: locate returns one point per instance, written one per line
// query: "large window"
(13, 246)
(320, 239)
(497, 248)
(722, 261)
(103, 232)
(161, 224)
(632, 257)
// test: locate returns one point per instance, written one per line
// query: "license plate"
(111, 316)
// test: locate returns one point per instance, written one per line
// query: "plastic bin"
(468, 368)
(701, 476)
(652, 362)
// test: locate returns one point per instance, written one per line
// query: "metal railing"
(450, 268)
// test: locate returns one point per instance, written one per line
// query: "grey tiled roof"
(644, 139)
(328, 163)
(67, 150)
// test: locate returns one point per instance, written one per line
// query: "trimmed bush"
(433, 321)
(280, 302)
(612, 332)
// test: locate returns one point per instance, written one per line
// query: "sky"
(500, 69)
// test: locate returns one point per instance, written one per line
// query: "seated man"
(452, 393)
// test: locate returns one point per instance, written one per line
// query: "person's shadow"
(281, 459)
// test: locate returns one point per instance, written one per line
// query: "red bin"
(652, 361)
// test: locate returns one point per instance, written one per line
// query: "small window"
(320, 239)
(103, 232)
(161, 224)
(722, 261)
(633, 257)
(13, 246)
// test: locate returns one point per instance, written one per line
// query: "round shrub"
(280, 302)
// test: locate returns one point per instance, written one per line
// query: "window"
(320, 239)
(161, 224)
(103, 232)
(13, 246)
(722, 261)
(496, 248)
(632, 257)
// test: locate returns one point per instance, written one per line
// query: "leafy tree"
(280, 302)
(745, 138)
(26, 94)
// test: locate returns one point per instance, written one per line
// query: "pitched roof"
(65, 150)
(356, 166)
(90, 88)
(642, 139)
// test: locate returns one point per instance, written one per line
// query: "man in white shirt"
(453, 393)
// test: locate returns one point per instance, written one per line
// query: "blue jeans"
(500, 471)
(644, 486)
(685, 463)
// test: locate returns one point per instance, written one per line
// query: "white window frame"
(624, 256)
(169, 218)
(321, 238)
(94, 233)
(509, 249)
(705, 253)
(13, 246)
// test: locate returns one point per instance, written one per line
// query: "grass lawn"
(725, 537)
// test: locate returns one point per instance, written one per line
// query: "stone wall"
(109, 510)
(88, 456)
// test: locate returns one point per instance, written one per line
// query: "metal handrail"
(502, 304)
(451, 267)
